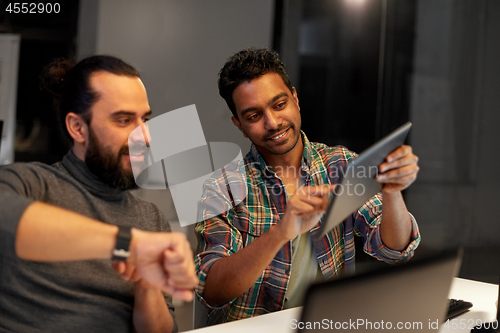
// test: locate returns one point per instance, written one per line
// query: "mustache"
(140, 148)
(279, 130)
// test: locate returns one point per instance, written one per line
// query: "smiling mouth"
(135, 153)
(279, 135)
(135, 156)
(135, 150)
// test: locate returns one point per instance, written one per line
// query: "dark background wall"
(43, 37)
(363, 68)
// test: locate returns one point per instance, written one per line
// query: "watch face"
(123, 237)
(120, 254)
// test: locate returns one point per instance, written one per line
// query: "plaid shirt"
(249, 211)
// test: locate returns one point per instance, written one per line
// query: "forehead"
(259, 91)
(118, 93)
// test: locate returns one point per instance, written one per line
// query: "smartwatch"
(121, 251)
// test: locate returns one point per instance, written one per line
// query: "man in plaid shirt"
(261, 253)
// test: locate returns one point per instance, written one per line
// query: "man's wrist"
(278, 235)
(133, 245)
(391, 194)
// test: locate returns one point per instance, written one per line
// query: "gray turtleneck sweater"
(80, 296)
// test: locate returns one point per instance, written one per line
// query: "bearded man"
(61, 224)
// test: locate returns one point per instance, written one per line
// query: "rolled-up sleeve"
(367, 224)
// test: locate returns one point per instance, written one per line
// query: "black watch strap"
(121, 251)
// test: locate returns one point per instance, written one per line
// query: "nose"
(141, 135)
(146, 133)
(272, 121)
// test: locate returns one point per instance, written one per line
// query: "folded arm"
(49, 233)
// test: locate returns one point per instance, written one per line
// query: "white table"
(482, 295)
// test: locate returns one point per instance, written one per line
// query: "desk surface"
(482, 295)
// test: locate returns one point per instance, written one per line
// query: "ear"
(237, 123)
(77, 128)
(295, 97)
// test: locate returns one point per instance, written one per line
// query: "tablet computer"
(358, 182)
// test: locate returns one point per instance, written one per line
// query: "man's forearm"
(151, 313)
(230, 277)
(49, 233)
(396, 226)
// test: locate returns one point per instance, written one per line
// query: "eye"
(124, 121)
(281, 105)
(253, 116)
(145, 119)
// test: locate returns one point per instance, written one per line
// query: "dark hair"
(69, 83)
(245, 66)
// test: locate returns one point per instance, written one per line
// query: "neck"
(79, 151)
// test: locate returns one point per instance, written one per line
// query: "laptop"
(409, 297)
(358, 182)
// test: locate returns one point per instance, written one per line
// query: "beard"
(107, 166)
(291, 144)
(294, 132)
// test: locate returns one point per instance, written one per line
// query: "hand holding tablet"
(359, 181)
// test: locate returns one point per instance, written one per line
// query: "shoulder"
(29, 180)
(332, 160)
(33, 172)
(232, 173)
(225, 188)
(31, 167)
(332, 154)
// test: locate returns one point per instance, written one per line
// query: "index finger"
(172, 257)
(118, 266)
(182, 254)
